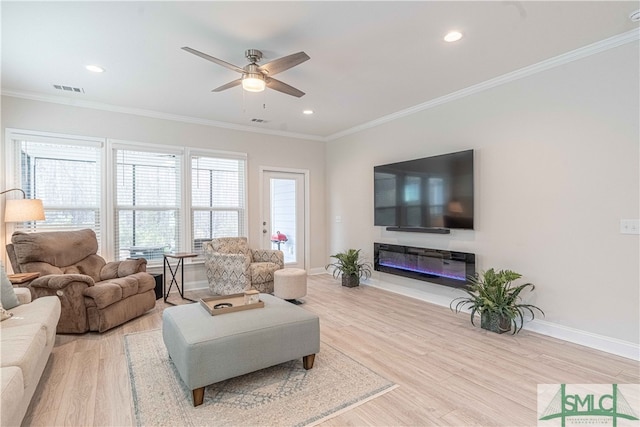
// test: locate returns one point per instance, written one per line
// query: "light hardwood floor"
(448, 372)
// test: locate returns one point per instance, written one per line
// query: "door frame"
(305, 173)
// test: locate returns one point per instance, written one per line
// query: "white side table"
(290, 284)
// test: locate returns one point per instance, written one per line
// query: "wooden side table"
(180, 256)
(22, 279)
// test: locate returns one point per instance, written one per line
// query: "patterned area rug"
(283, 395)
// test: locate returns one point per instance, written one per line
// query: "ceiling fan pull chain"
(244, 106)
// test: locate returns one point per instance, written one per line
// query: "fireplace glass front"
(443, 267)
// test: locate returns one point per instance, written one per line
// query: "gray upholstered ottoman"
(206, 349)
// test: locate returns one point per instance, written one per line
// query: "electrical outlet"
(630, 226)
(338, 218)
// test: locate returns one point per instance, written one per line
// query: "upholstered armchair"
(232, 267)
(95, 295)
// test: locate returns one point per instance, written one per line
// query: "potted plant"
(493, 295)
(350, 267)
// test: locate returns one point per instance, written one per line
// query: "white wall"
(557, 167)
(262, 150)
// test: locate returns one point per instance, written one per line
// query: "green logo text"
(585, 405)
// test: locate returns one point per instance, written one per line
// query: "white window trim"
(190, 152)
(107, 201)
(13, 134)
(118, 144)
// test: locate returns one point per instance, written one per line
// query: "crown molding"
(154, 114)
(565, 58)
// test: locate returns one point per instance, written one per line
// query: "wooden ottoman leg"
(307, 361)
(198, 396)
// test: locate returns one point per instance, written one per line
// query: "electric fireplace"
(446, 268)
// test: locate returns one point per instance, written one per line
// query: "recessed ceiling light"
(453, 36)
(307, 112)
(95, 68)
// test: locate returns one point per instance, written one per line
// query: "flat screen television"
(429, 193)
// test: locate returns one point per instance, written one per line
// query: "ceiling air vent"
(259, 121)
(69, 88)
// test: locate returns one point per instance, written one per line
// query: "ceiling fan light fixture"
(253, 82)
(255, 78)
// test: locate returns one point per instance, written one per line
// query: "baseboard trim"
(316, 271)
(598, 342)
(565, 333)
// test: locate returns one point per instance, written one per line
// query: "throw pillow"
(7, 294)
(4, 314)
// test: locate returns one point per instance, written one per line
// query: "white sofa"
(26, 341)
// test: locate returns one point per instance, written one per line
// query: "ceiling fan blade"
(228, 86)
(281, 64)
(214, 60)
(284, 88)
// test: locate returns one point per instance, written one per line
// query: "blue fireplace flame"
(424, 271)
(438, 266)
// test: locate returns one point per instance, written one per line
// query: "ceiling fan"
(255, 77)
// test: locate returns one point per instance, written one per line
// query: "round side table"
(290, 284)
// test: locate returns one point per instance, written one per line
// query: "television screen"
(432, 192)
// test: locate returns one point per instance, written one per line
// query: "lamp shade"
(253, 82)
(21, 210)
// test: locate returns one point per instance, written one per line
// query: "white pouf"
(290, 283)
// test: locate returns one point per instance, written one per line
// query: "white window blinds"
(147, 211)
(218, 198)
(65, 175)
(142, 200)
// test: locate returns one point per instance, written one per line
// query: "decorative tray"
(227, 304)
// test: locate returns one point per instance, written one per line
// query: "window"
(144, 200)
(65, 175)
(147, 204)
(217, 198)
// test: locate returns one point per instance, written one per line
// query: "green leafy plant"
(348, 263)
(493, 293)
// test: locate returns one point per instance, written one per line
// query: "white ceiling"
(368, 59)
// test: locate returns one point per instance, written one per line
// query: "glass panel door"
(283, 215)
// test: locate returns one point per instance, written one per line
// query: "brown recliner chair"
(95, 295)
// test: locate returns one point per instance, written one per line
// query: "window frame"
(192, 152)
(114, 147)
(108, 180)
(13, 140)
